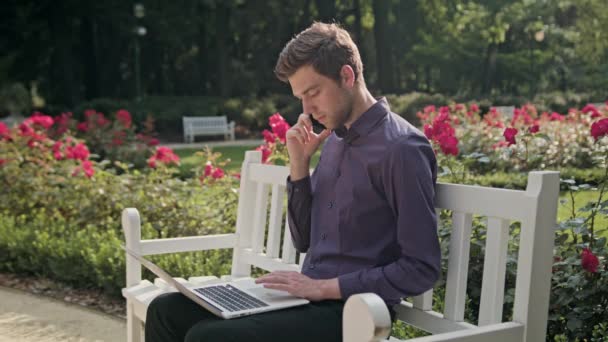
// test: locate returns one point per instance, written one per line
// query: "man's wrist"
(299, 169)
(330, 288)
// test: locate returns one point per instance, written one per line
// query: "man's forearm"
(299, 169)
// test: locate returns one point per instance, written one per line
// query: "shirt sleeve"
(299, 207)
(408, 180)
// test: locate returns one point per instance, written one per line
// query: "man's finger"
(304, 119)
(281, 287)
(272, 279)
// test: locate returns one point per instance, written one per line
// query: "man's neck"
(362, 101)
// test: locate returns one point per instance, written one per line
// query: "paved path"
(27, 318)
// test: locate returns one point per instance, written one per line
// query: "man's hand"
(301, 286)
(302, 142)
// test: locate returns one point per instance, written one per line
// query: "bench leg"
(134, 326)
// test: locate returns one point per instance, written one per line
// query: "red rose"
(590, 109)
(265, 152)
(4, 131)
(509, 135)
(474, 108)
(217, 173)
(449, 144)
(533, 129)
(269, 137)
(124, 117)
(83, 126)
(589, 261)
(599, 128)
(280, 130)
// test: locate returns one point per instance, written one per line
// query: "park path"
(25, 317)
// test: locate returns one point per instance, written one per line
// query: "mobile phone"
(317, 127)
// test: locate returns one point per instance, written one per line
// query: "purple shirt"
(367, 213)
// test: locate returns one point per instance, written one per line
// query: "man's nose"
(307, 107)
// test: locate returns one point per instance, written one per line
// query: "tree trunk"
(327, 10)
(383, 46)
(222, 24)
(489, 68)
(88, 39)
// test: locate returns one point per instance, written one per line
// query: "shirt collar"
(364, 124)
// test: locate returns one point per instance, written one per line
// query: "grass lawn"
(236, 154)
(581, 198)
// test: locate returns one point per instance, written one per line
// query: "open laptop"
(228, 299)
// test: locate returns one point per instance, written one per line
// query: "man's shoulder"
(399, 131)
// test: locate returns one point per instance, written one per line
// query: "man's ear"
(347, 74)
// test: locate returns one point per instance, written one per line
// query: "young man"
(365, 218)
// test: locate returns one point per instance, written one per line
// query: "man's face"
(328, 101)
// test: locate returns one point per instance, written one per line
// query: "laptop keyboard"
(230, 297)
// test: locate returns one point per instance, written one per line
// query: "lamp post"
(140, 31)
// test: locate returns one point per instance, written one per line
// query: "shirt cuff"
(299, 187)
(350, 284)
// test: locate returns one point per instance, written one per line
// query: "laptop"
(228, 299)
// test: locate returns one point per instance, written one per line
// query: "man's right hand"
(302, 142)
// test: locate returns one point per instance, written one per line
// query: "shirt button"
(297, 190)
(330, 205)
(312, 266)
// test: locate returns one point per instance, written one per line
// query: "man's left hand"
(301, 286)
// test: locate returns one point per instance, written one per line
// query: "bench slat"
(276, 221)
(458, 266)
(431, 321)
(263, 261)
(187, 244)
(289, 252)
(500, 203)
(494, 270)
(259, 220)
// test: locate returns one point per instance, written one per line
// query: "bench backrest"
(205, 123)
(264, 241)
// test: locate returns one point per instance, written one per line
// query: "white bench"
(506, 111)
(366, 317)
(207, 125)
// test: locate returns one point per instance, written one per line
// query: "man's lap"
(318, 321)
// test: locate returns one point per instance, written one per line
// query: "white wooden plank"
(424, 301)
(494, 269)
(259, 217)
(131, 225)
(268, 174)
(245, 214)
(276, 221)
(289, 251)
(503, 332)
(458, 266)
(262, 261)
(187, 244)
(482, 200)
(535, 259)
(430, 321)
(302, 257)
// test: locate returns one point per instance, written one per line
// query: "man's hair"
(326, 47)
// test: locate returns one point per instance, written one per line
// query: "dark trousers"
(173, 317)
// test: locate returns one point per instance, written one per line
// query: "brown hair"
(326, 47)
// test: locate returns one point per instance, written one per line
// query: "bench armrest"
(365, 319)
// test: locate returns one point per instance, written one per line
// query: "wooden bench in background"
(207, 125)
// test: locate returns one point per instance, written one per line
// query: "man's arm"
(302, 142)
(299, 206)
(409, 183)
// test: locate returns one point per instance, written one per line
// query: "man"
(365, 218)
